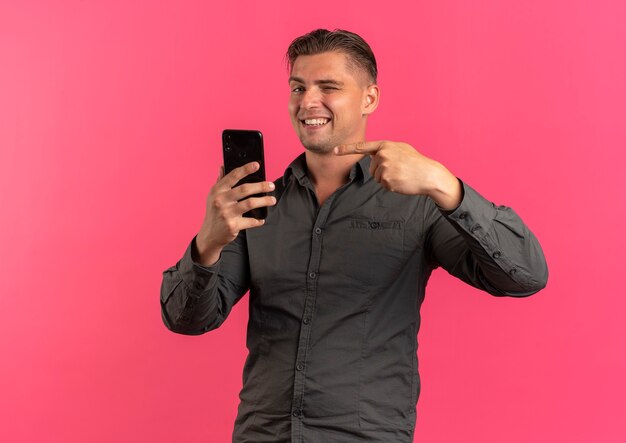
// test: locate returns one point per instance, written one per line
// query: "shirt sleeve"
(486, 246)
(195, 298)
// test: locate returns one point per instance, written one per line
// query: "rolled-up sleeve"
(487, 246)
(196, 299)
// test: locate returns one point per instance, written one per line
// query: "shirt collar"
(360, 170)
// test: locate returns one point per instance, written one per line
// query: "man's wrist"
(203, 254)
(447, 190)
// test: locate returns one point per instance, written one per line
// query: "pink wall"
(110, 121)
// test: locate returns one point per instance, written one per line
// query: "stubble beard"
(322, 147)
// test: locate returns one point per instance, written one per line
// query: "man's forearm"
(447, 191)
(495, 250)
(203, 252)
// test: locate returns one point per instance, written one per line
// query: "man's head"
(333, 88)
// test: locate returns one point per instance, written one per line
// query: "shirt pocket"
(370, 250)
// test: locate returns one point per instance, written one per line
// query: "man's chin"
(321, 147)
(318, 149)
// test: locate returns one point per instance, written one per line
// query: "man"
(338, 269)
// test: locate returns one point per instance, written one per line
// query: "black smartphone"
(242, 146)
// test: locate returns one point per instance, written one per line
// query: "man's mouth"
(315, 121)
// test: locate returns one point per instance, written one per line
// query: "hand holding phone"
(240, 191)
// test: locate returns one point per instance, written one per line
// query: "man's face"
(329, 101)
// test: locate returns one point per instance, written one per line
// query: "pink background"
(110, 121)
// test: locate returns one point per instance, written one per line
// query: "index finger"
(233, 177)
(358, 148)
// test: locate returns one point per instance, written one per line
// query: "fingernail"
(336, 149)
(272, 186)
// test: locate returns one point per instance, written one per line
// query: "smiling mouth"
(310, 122)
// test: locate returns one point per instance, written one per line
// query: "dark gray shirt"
(335, 295)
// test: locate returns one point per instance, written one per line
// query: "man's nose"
(311, 98)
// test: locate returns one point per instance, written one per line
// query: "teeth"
(316, 121)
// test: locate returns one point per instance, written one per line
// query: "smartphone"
(242, 146)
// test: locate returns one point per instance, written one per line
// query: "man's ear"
(371, 99)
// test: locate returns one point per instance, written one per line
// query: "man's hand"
(225, 207)
(399, 168)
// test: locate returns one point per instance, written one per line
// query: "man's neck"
(328, 172)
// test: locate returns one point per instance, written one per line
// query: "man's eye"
(297, 90)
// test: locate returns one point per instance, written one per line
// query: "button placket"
(312, 278)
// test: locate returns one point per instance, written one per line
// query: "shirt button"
(496, 254)
(318, 231)
(462, 215)
(374, 225)
(297, 413)
(312, 274)
(306, 321)
(476, 228)
(300, 366)
(512, 271)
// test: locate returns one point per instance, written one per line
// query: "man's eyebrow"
(317, 82)
(328, 82)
